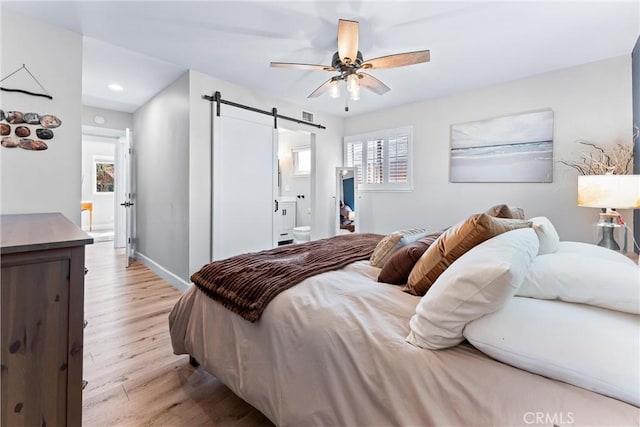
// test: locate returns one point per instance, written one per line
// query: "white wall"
(328, 156)
(172, 141)
(112, 119)
(294, 185)
(46, 181)
(161, 171)
(103, 203)
(591, 102)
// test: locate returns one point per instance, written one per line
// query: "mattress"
(332, 351)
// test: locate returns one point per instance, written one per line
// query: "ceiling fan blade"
(398, 60)
(347, 40)
(373, 84)
(321, 89)
(302, 66)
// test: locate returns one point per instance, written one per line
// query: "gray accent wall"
(172, 143)
(44, 181)
(635, 72)
(161, 170)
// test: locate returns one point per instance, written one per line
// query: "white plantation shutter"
(353, 158)
(383, 159)
(375, 162)
(399, 159)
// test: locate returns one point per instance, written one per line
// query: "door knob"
(126, 204)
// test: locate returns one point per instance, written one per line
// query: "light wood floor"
(134, 377)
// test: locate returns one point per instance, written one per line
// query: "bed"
(333, 350)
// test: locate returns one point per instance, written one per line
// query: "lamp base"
(608, 232)
(608, 241)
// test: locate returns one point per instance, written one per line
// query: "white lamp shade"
(609, 191)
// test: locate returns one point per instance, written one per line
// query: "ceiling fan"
(348, 62)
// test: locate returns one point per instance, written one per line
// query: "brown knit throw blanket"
(246, 283)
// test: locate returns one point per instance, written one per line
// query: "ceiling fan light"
(355, 93)
(334, 89)
(353, 83)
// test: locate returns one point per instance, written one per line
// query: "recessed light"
(116, 87)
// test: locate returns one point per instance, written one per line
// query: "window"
(382, 159)
(104, 175)
(301, 160)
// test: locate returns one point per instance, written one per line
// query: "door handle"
(276, 202)
(126, 204)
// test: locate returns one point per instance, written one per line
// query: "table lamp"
(609, 192)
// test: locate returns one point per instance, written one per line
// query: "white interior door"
(129, 200)
(244, 178)
(120, 216)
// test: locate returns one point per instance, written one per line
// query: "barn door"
(244, 182)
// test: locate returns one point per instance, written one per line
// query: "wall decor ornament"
(22, 131)
(33, 144)
(513, 148)
(15, 117)
(32, 118)
(47, 121)
(10, 141)
(28, 123)
(26, 92)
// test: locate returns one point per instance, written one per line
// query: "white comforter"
(332, 351)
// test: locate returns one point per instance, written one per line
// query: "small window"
(301, 160)
(104, 175)
(383, 159)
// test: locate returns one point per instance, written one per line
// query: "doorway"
(295, 176)
(104, 175)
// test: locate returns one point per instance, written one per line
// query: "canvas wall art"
(515, 148)
(104, 176)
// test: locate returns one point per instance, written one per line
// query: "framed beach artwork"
(515, 148)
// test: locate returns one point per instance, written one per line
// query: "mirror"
(346, 195)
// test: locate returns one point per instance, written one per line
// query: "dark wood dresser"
(42, 310)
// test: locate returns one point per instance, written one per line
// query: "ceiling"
(145, 45)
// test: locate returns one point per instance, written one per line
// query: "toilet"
(302, 234)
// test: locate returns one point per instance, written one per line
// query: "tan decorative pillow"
(454, 243)
(379, 258)
(504, 211)
(384, 248)
(516, 213)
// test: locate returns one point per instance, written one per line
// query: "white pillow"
(547, 235)
(477, 283)
(588, 249)
(586, 346)
(583, 279)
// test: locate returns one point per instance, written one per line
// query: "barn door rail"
(217, 98)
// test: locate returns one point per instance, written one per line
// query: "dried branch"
(618, 160)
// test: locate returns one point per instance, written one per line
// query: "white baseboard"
(174, 280)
